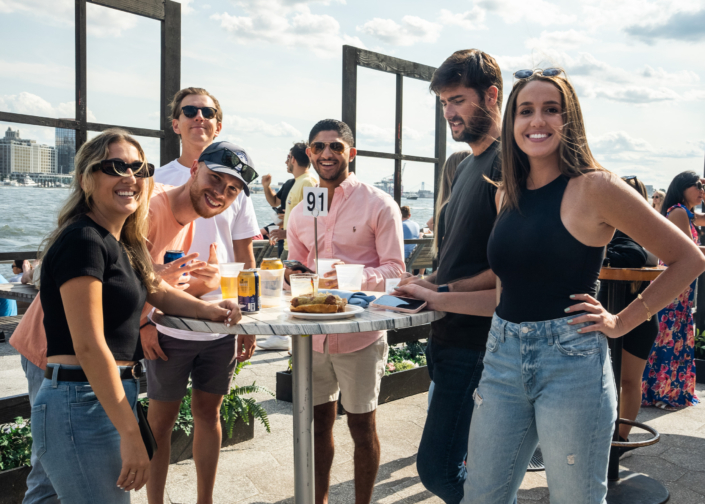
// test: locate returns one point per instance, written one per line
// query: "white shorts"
(357, 375)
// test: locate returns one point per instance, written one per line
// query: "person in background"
(8, 307)
(623, 252)
(278, 200)
(450, 169)
(17, 271)
(96, 275)
(563, 207)
(363, 226)
(657, 199)
(412, 231)
(469, 86)
(669, 376)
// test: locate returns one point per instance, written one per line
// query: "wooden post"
(349, 113)
(171, 78)
(397, 139)
(81, 81)
(440, 152)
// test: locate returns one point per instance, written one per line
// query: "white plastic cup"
(271, 282)
(349, 276)
(326, 265)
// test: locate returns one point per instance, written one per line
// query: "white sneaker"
(276, 343)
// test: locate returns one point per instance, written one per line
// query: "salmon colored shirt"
(165, 233)
(363, 226)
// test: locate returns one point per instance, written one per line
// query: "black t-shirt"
(284, 192)
(469, 218)
(87, 249)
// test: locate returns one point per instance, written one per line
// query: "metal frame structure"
(166, 11)
(354, 57)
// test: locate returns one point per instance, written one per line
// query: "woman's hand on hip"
(135, 463)
(602, 320)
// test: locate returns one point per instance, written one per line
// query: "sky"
(276, 68)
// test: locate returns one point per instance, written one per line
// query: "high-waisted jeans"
(543, 381)
(77, 444)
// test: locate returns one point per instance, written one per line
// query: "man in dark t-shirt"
(469, 85)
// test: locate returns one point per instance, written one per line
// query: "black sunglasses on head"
(118, 168)
(228, 158)
(549, 72)
(191, 111)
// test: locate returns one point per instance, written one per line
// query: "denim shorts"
(77, 444)
(543, 382)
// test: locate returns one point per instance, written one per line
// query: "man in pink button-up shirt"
(363, 226)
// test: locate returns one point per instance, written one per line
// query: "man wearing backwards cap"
(209, 359)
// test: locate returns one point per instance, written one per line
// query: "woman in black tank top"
(547, 374)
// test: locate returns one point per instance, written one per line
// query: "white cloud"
(186, 6)
(634, 94)
(532, 11)
(470, 20)
(638, 14)
(568, 39)
(619, 146)
(100, 21)
(412, 30)
(289, 23)
(31, 104)
(373, 134)
(236, 125)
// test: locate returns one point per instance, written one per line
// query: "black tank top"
(538, 261)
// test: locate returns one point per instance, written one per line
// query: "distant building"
(65, 141)
(25, 156)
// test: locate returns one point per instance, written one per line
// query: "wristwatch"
(443, 288)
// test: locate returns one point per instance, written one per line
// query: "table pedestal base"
(302, 389)
(636, 488)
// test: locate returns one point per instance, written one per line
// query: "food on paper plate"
(319, 303)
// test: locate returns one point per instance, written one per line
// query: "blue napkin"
(354, 298)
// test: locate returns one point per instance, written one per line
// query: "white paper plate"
(350, 311)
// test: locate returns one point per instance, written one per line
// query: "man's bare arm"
(244, 252)
(480, 282)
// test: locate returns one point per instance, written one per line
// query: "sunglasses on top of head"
(118, 168)
(228, 158)
(548, 72)
(336, 147)
(191, 111)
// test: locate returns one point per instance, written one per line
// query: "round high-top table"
(277, 321)
(18, 292)
(626, 487)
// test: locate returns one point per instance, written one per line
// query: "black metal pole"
(615, 303)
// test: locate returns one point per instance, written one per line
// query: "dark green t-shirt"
(469, 218)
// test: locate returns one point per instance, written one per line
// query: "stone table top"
(277, 321)
(18, 292)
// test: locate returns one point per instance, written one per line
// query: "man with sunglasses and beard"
(469, 85)
(208, 358)
(363, 226)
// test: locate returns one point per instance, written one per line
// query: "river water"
(28, 214)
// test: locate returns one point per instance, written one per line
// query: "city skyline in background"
(275, 66)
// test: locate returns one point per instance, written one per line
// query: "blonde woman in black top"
(96, 276)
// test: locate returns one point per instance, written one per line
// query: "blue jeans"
(77, 443)
(543, 381)
(440, 461)
(39, 488)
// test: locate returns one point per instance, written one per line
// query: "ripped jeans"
(543, 381)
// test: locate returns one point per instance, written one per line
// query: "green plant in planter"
(406, 356)
(234, 406)
(699, 344)
(15, 444)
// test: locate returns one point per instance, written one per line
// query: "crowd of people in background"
(526, 328)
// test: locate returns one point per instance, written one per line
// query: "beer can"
(249, 291)
(271, 263)
(173, 255)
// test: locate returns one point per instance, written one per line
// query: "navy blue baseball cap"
(226, 157)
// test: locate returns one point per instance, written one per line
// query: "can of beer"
(173, 255)
(271, 263)
(249, 291)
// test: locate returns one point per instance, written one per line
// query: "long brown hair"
(80, 202)
(575, 158)
(450, 168)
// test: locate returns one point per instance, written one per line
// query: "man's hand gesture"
(209, 273)
(266, 180)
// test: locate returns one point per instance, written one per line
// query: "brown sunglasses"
(336, 147)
